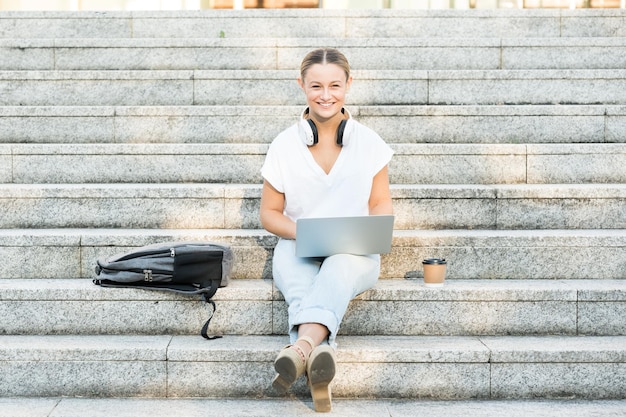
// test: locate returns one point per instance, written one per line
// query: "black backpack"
(182, 267)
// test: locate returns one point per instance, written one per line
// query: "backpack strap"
(207, 290)
(210, 288)
(205, 328)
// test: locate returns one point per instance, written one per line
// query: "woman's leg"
(294, 276)
(339, 280)
(319, 292)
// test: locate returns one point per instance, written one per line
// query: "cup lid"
(434, 261)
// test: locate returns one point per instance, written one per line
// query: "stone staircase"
(123, 129)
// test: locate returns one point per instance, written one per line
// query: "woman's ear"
(348, 83)
(301, 83)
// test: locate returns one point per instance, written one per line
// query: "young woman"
(326, 165)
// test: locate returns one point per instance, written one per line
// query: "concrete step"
(458, 368)
(371, 87)
(241, 163)
(286, 53)
(471, 254)
(225, 206)
(396, 124)
(297, 407)
(547, 206)
(315, 23)
(394, 307)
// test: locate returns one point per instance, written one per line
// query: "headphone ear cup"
(308, 132)
(344, 132)
(313, 131)
(340, 131)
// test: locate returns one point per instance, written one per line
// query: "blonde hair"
(324, 56)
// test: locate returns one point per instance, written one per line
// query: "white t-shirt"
(310, 192)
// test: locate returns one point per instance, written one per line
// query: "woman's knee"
(358, 272)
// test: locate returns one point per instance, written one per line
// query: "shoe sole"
(320, 373)
(287, 374)
(280, 385)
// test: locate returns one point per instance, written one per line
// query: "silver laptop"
(360, 235)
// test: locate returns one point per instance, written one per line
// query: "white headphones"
(308, 130)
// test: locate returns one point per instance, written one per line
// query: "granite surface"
(558, 380)
(26, 57)
(434, 368)
(374, 87)
(6, 174)
(577, 168)
(259, 53)
(128, 167)
(461, 318)
(396, 124)
(40, 261)
(415, 380)
(114, 379)
(63, 25)
(236, 206)
(457, 169)
(240, 163)
(601, 318)
(563, 53)
(336, 23)
(120, 317)
(264, 53)
(298, 406)
(461, 307)
(471, 254)
(457, 126)
(95, 88)
(602, 24)
(516, 87)
(102, 366)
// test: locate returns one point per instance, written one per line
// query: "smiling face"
(325, 79)
(325, 86)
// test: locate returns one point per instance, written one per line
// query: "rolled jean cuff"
(315, 315)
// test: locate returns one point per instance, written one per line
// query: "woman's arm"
(380, 196)
(272, 217)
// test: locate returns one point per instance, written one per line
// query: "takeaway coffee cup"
(434, 271)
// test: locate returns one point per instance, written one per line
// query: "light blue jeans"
(318, 290)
